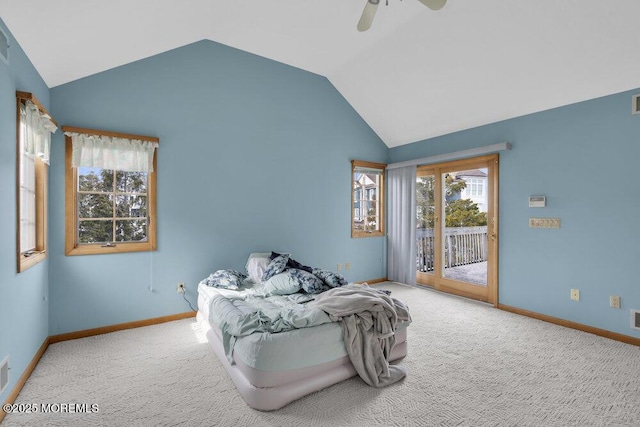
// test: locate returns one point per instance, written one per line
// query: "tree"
(458, 212)
(464, 213)
(425, 191)
(453, 187)
(372, 214)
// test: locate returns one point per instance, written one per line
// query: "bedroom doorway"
(457, 227)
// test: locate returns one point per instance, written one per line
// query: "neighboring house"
(364, 197)
(476, 189)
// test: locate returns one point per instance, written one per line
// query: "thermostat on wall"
(537, 201)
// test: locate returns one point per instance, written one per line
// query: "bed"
(271, 369)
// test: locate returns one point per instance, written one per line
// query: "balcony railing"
(462, 246)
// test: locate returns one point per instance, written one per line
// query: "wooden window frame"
(28, 259)
(380, 231)
(72, 247)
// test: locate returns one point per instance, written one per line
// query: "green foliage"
(453, 186)
(459, 213)
(425, 191)
(95, 231)
(464, 213)
(372, 218)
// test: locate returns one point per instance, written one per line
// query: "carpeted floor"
(468, 365)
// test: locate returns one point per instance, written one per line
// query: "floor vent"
(4, 47)
(635, 105)
(4, 374)
(635, 319)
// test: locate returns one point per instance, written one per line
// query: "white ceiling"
(415, 74)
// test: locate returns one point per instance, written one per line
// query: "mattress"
(299, 348)
(271, 370)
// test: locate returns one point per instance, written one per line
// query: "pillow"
(277, 265)
(331, 279)
(310, 283)
(292, 263)
(256, 265)
(226, 279)
(281, 284)
(276, 254)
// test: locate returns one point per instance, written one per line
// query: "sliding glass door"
(456, 236)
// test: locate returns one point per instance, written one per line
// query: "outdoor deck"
(472, 273)
(465, 253)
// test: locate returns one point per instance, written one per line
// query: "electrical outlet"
(180, 289)
(575, 294)
(614, 301)
(347, 265)
(339, 267)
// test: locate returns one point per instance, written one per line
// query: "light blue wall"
(254, 156)
(23, 305)
(584, 158)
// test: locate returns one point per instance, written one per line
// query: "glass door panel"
(464, 230)
(425, 225)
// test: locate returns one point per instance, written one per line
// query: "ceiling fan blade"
(433, 4)
(368, 14)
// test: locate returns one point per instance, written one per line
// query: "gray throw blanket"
(369, 318)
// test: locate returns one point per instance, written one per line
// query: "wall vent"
(4, 46)
(635, 319)
(4, 374)
(635, 104)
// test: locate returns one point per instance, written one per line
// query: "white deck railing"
(462, 246)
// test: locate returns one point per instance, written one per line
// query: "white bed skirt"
(270, 390)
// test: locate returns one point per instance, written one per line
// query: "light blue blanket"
(245, 313)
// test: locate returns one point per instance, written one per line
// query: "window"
(110, 192)
(475, 187)
(35, 126)
(367, 199)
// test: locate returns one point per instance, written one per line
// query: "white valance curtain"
(401, 252)
(106, 152)
(37, 131)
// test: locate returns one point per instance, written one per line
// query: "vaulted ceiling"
(415, 74)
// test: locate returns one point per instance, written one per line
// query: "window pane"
(95, 206)
(95, 179)
(24, 204)
(25, 238)
(31, 241)
(131, 206)
(131, 230)
(367, 188)
(24, 162)
(95, 231)
(366, 183)
(131, 182)
(29, 165)
(31, 203)
(27, 219)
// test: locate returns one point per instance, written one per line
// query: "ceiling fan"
(372, 6)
